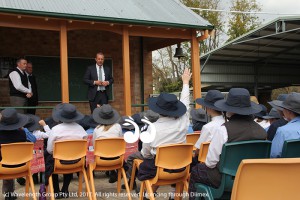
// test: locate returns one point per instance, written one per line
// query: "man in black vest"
(98, 78)
(33, 101)
(240, 127)
(20, 88)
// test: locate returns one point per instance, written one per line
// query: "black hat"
(124, 124)
(51, 122)
(280, 98)
(137, 119)
(67, 113)
(167, 105)
(273, 114)
(238, 101)
(11, 120)
(291, 103)
(33, 123)
(55, 109)
(87, 122)
(211, 97)
(263, 111)
(105, 115)
(151, 115)
(199, 115)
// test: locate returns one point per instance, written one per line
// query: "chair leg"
(32, 186)
(92, 182)
(119, 181)
(126, 183)
(142, 190)
(87, 184)
(149, 189)
(132, 175)
(27, 187)
(178, 191)
(51, 188)
(186, 186)
(80, 183)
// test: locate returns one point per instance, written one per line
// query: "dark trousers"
(100, 98)
(31, 111)
(66, 183)
(198, 175)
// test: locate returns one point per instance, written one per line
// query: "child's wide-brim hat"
(211, 97)
(105, 115)
(167, 105)
(11, 120)
(33, 123)
(238, 102)
(66, 113)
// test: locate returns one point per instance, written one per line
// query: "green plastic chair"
(291, 149)
(232, 154)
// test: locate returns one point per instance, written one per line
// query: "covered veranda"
(154, 25)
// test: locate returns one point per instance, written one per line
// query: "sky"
(272, 6)
(279, 6)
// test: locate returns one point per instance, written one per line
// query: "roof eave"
(104, 19)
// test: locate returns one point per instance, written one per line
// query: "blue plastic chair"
(291, 149)
(232, 154)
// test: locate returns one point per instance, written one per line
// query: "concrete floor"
(104, 189)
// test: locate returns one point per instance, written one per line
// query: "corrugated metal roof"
(169, 13)
(277, 42)
(271, 51)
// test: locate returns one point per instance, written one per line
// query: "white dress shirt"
(65, 131)
(17, 83)
(41, 134)
(103, 76)
(215, 147)
(264, 123)
(209, 129)
(169, 130)
(114, 131)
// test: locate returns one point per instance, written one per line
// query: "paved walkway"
(104, 189)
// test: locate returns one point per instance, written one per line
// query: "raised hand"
(186, 76)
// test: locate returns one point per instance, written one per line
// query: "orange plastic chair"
(262, 179)
(192, 138)
(203, 151)
(165, 160)
(201, 158)
(69, 150)
(113, 151)
(135, 165)
(11, 156)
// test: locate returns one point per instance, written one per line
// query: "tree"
(167, 70)
(215, 18)
(241, 23)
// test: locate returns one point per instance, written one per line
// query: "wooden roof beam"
(19, 21)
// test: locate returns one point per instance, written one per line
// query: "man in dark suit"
(98, 78)
(33, 101)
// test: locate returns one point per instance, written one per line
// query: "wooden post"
(195, 56)
(126, 71)
(64, 63)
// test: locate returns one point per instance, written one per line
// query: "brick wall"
(81, 43)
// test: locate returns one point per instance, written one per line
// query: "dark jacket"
(239, 128)
(91, 75)
(13, 90)
(33, 101)
(274, 126)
